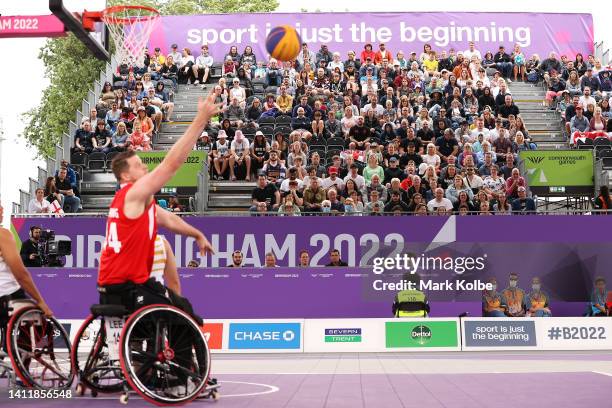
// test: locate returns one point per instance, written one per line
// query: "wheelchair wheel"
(39, 349)
(164, 355)
(91, 361)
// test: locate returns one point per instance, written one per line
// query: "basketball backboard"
(70, 13)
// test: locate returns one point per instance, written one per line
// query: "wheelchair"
(159, 351)
(37, 348)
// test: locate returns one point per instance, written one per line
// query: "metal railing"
(539, 212)
(602, 53)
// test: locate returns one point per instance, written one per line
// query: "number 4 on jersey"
(112, 239)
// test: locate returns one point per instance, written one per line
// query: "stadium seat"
(338, 141)
(285, 130)
(97, 161)
(259, 83)
(283, 120)
(601, 142)
(317, 140)
(266, 120)
(607, 163)
(267, 130)
(249, 132)
(271, 89)
(109, 158)
(321, 149)
(585, 144)
(216, 70)
(79, 159)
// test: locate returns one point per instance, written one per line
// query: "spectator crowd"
(371, 132)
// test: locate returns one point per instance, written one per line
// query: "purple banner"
(248, 293)
(565, 252)
(357, 238)
(538, 33)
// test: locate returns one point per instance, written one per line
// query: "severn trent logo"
(343, 335)
(421, 334)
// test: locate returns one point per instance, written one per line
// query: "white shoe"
(196, 82)
(509, 81)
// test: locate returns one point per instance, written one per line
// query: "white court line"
(271, 389)
(602, 373)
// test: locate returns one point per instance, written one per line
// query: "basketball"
(283, 43)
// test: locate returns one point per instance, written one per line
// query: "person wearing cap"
(393, 171)
(158, 58)
(367, 65)
(333, 181)
(259, 150)
(579, 123)
(221, 154)
(176, 55)
(375, 205)
(204, 144)
(522, 204)
(313, 196)
(381, 54)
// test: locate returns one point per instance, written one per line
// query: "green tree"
(71, 69)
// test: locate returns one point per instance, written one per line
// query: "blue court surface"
(431, 380)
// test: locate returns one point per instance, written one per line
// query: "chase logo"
(264, 336)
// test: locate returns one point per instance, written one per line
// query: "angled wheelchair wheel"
(91, 362)
(164, 355)
(39, 349)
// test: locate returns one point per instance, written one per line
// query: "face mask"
(513, 283)
(326, 209)
(535, 287)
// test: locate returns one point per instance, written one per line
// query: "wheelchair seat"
(109, 310)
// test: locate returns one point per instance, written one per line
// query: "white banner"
(575, 333)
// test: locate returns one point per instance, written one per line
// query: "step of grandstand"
(183, 116)
(97, 190)
(175, 128)
(544, 125)
(96, 203)
(230, 195)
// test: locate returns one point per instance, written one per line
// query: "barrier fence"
(401, 335)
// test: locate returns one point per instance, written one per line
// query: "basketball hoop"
(130, 28)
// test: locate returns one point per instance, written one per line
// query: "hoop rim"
(108, 18)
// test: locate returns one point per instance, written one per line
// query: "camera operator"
(30, 254)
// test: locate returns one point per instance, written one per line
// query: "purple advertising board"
(538, 33)
(565, 252)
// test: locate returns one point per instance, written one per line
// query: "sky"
(17, 162)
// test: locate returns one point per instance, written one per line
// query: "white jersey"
(159, 260)
(8, 283)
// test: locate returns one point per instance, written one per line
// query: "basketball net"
(130, 28)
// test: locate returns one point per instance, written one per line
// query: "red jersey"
(127, 252)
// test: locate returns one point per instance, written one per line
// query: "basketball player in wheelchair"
(145, 334)
(36, 345)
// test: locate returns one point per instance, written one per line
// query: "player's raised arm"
(152, 182)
